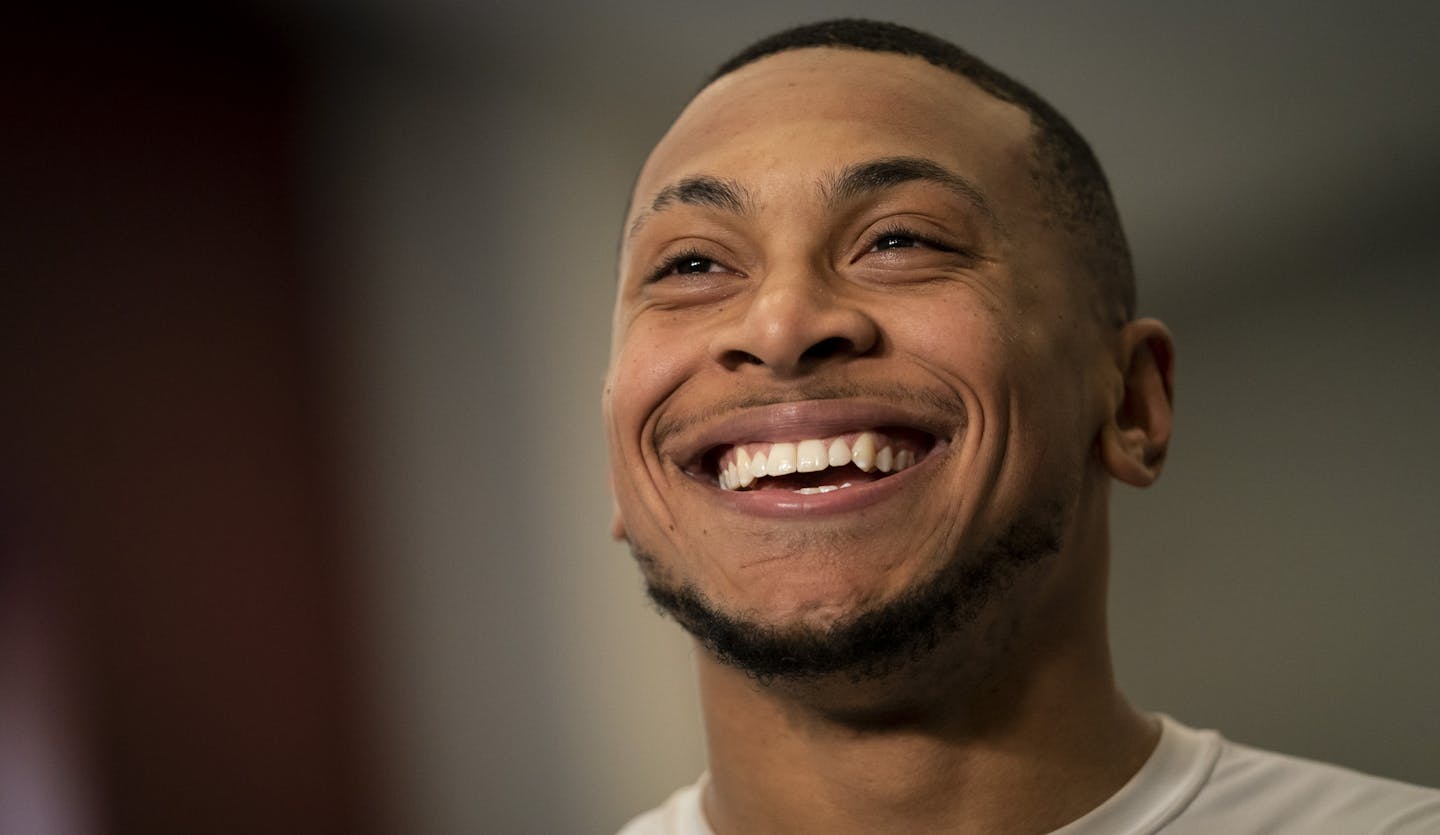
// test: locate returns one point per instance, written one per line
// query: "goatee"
(871, 644)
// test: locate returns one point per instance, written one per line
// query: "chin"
(816, 611)
(815, 587)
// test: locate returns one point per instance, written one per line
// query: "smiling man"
(875, 364)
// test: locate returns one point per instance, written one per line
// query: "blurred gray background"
(462, 170)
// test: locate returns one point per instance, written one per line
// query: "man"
(875, 363)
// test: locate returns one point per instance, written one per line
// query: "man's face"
(832, 251)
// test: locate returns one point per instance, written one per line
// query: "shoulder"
(1199, 783)
(680, 814)
(1251, 790)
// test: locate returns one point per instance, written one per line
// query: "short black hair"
(1066, 167)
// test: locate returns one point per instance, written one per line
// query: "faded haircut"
(1065, 167)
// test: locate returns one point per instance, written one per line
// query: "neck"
(956, 747)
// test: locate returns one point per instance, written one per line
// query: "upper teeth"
(744, 463)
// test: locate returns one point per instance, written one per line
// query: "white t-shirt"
(1198, 783)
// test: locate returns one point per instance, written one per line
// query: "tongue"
(831, 476)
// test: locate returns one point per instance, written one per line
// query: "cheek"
(651, 362)
(963, 345)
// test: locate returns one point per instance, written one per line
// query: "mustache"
(922, 400)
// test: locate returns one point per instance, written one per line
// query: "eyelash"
(902, 232)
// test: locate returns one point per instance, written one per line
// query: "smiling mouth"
(817, 465)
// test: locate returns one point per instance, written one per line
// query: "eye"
(904, 239)
(687, 263)
(895, 242)
(686, 266)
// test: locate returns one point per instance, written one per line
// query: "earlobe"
(1137, 435)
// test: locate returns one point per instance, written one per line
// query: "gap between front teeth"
(810, 456)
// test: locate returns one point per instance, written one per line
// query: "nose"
(791, 322)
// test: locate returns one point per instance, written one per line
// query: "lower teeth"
(824, 488)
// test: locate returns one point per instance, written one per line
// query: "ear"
(1137, 435)
(617, 522)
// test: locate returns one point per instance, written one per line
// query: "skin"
(804, 308)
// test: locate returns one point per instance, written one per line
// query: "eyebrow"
(853, 182)
(866, 178)
(700, 190)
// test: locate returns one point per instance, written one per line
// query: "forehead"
(809, 112)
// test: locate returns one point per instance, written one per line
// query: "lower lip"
(786, 504)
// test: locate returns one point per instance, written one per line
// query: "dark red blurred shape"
(163, 464)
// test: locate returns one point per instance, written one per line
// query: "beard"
(871, 644)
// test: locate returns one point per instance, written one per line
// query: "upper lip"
(798, 420)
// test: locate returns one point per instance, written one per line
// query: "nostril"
(827, 348)
(735, 359)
